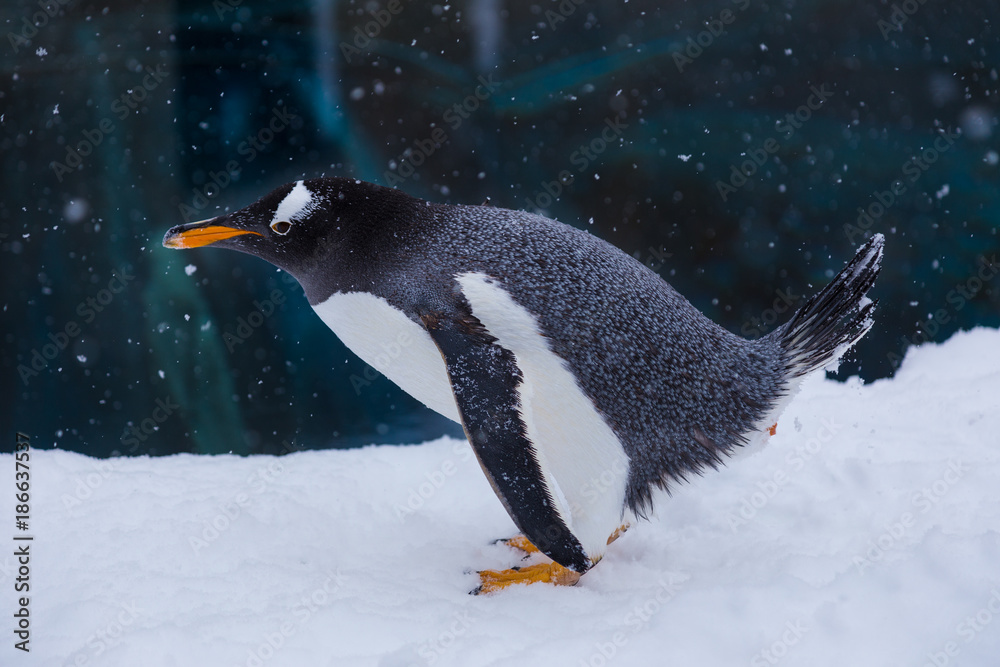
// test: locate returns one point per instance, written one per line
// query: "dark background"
(226, 67)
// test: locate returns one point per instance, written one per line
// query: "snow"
(867, 532)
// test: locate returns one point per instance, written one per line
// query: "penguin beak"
(201, 233)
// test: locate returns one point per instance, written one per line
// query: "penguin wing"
(485, 379)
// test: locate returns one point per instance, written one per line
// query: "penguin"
(582, 379)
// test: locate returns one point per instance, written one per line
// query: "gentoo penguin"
(582, 379)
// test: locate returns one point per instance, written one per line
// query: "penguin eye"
(281, 227)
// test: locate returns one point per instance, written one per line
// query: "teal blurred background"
(742, 149)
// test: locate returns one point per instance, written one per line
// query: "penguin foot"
(549, 573)
(521, 543)
(619, 531)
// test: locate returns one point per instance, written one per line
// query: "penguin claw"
(549, 573)
(519, 542)
(619, 531)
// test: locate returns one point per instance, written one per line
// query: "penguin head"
(299, 225)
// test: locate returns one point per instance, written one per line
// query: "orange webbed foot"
(549, 573)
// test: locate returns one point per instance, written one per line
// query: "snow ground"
(867, 532)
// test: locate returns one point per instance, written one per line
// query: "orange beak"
(197, 234)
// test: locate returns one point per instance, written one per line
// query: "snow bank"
(867, 532)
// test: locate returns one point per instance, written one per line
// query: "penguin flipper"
(485, 380)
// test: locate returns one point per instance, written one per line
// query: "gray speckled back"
(677, 389)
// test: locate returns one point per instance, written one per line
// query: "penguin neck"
(357, 254)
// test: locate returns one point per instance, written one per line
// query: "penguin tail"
(829, 323)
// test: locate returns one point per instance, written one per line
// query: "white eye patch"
(297, 203)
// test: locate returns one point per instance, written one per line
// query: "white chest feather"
(584, 464)
(392, 344)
